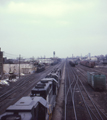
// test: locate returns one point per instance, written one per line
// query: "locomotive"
(27, 108)
(56, 76)
(39, 105)
(40, 67)
(46, 88)
(72, 63)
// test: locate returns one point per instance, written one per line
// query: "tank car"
(96, 80)
(27, 108)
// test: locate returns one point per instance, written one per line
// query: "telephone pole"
(19, 65)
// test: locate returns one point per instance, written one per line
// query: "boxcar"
(96, 80)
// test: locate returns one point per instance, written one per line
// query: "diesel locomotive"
(27, 108)
(40, 68)
(40, 104)
(72, 63)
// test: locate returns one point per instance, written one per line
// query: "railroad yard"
(53, 60)
(76, 99)
(82, 102)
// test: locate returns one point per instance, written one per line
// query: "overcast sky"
(39, 27)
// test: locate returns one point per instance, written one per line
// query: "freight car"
(90, 64)
(96, 80)
(27, 108)
(40, 67)
(72, 63)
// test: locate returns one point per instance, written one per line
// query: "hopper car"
(90, 64)
(96, 80)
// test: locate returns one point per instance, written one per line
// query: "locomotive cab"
(47, 90)
(27, 108)
(54, 84)
(41, 89)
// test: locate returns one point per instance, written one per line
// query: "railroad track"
(22, 88)
(70, 86)
(81, 68)
(89, 107)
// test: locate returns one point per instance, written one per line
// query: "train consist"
(40, 67)
(56, 61)
(90, 64)
(72, 63)
(96, 80)
(39, 105)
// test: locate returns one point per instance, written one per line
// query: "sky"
(39, 27)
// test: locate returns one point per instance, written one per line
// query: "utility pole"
(19, 65)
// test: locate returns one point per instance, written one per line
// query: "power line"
(11, 55)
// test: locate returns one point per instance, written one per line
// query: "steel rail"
(19, 86)
(65, 94)
(93, 101)
(72, 91)
(21, 83)
(95, 106)
(82, 96)
(72, 94)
